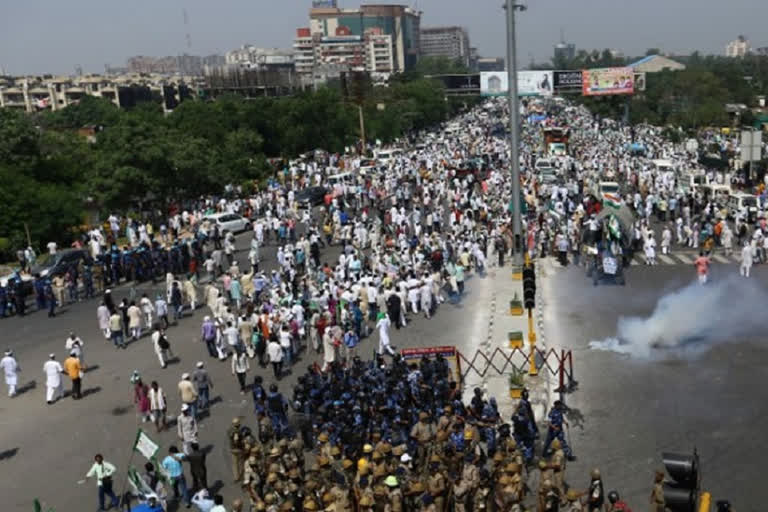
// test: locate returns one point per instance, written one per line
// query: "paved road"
(627, 411)
(51, 447)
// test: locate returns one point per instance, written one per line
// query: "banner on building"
(493, 83)
(607, 81)
(534, 83)
(565, 81)
(449, 353)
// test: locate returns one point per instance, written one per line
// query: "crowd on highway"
(399, 237)
(672, 202)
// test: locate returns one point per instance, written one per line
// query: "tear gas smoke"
(692, 318)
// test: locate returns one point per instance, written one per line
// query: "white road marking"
(720, 258)
(684, 258)
(666, 259)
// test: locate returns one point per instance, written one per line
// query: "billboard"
(639, 81)
(534, 83)
(529, 83)
(605, 81)
(567, 80)
(468, 82)
(493, 83)
(751, 145)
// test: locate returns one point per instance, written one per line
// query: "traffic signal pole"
(529, 301)
(514, 137)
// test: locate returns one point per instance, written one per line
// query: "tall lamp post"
(514, 127)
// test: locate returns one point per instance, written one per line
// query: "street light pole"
(514, 136)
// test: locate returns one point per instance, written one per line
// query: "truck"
(555, 140)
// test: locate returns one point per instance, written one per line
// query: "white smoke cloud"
(692, 319)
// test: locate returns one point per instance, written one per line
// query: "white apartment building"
(739, 47)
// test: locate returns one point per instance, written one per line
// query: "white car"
(543, 163)
(229, 222)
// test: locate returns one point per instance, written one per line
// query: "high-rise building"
(449, 42)
(565, 51)
(491, 64)
(739, 47)
(304, 52)
(400, 22)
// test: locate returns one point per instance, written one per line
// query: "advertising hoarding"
(534, 83)
(567, 80)
(639, 81)
(606, 81)
(493, 83)
(529, 83)
(469, 82)
(751, 145)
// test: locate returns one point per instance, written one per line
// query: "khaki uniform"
(445, 423)
(341, 499)
(657, 498)
(558, 468)
(461, 495)
(574, 506)
(251, 482)
(57, 283)
(470, 475)
(424, 433)
(438, 488)
(395, 496)
(236, 449)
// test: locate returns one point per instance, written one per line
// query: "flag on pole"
(144, 445)
(612, 200)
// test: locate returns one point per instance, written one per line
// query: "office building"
(400, 22)
(565, 51)
(739, 47)
(490, 64)
(259, 59)
(448, 42)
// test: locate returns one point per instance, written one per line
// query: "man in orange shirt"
(74, 370)
(702, 267)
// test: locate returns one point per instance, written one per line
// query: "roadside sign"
(448, 352)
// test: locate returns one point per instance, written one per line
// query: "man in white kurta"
(11, 371)
(53, 371)
(103, 314)
(383, 324)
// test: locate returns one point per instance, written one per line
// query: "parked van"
(663, 165)
(741, 202)
(387, 156)
(344, 177)
(717, 193)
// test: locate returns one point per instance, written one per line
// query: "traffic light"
(529, 287)
(680, 495)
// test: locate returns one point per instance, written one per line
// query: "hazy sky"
(49, 36)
